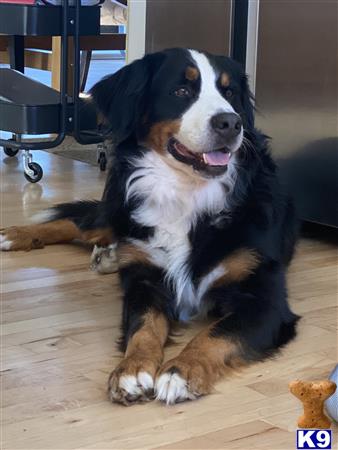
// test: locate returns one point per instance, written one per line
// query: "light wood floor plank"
(60, 322)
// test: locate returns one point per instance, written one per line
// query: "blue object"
(331, 403)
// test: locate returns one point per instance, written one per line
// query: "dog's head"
(188, 106)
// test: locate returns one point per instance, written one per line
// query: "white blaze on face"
(195, 131)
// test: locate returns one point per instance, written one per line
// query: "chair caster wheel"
(36, 174)
(11, 151)
(102, 161)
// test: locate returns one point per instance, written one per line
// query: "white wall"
(136, 29)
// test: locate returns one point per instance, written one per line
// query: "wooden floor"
(60, 322)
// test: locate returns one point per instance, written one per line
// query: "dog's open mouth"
(215, 161)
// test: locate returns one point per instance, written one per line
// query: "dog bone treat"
(313, 394)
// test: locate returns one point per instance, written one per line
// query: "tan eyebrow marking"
(225, 79)
(191, 73)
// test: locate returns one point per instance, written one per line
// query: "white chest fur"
(172, 203)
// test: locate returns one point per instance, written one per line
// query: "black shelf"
(44, 20)
(30, 107)
(27, 106)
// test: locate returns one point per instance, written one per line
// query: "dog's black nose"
(228, 125)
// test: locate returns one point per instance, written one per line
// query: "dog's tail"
(84, 213)
(83, 220)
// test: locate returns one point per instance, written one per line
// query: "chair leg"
(17, 53)
(86, 56)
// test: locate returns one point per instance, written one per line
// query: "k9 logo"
(313, 439)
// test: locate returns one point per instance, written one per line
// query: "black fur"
(262, 218)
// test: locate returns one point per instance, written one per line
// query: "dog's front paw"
(132, 381)
(182, 379)
(18, 238)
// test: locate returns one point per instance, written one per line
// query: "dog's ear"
(247, 100)
(122, 98)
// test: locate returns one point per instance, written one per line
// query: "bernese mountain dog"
(201, 224)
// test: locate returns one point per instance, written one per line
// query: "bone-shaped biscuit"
(313, 394)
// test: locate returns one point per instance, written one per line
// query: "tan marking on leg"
(225, 79)
(38, 235)
(133, 379)
(191, 73)
(197, 368)
(150, 338)
(99, 236)
(204, 358)
(160, 133)
(128, 254)
(238, 266)
(57, 231)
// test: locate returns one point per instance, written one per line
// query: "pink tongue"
(216, 158)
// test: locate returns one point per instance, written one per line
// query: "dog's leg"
(38, 235)
(195, 370)
(62, 223)
(145, 328)
(35, 236)
(258, 321)
(133, 379)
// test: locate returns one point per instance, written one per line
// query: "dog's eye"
(229, 93)
(182, 92)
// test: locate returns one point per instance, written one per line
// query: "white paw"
(172, 388)
(145, 380)
(103, 259)
(5, 244)
(136, 386)
(129, 389)
(130, 385)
